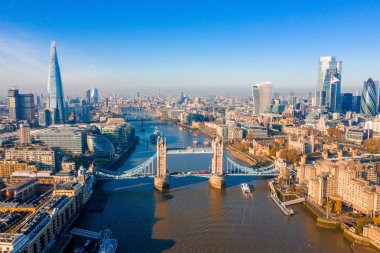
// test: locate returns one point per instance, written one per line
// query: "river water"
(193, 217)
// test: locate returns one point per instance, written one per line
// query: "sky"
(199, 47)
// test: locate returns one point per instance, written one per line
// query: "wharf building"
(118, 132)
(21, 106)
(42, 156)
(7, 167)
(37, 233)
(354, 181)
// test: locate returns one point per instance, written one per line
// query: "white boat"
(245, 188)
(108, 244)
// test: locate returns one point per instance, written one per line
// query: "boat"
(245, 188)
(155, 135)
(108, 244)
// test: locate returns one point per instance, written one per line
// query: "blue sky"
(200, 47)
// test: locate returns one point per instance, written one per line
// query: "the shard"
(55, 99)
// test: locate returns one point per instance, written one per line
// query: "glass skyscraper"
(261, 96)
(55, 99)
(369, 98)
(329, 83)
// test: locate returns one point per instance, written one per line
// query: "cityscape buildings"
(55, 98)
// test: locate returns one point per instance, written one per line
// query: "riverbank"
(362, 244)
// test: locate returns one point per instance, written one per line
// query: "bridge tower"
(161, 181)
(217, 179)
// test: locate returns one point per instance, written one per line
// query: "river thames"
(193, 217)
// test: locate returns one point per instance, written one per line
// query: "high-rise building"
(95, 95)
(329, 72)
(356, 103)
(369, 98)
(261, 96)
(347, 102)
(88, 97)
(21, 106)
(335, 103)
(25, 134)
(55, 99)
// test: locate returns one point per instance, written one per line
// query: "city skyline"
(166, 46)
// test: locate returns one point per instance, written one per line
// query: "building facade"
(261, 97)
(55, 98)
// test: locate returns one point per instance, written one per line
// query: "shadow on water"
(182, 182)
(233, 181)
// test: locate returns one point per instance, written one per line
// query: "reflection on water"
(193, 217)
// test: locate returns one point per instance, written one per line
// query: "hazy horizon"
(201, 48)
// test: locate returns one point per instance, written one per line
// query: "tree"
(373, 145)
(273, 151)
(376, 220)
(290, 155)
(338, 207)
(360, 223)
(332, 131)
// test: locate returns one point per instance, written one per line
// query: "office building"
(44, 117)
(25, 135)
(329, 72)
(55, 98)
(347, 102)
(335, 103)
(21, 106)
(261, 97)
(64, 139)
(100, 146)
(95, 95)
(7, 167)
(369, 98)
(118, 132)
(88, 97)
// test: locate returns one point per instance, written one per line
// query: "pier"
(282, 205)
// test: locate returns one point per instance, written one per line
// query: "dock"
(282, 205)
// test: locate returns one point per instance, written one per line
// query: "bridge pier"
(161, 180)
(217, 179)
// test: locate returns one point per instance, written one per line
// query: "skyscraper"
(95, 95)
(329, 77)
(369, 98)
(55, 99)
(261, 96)
(88, 97)
(21, 106)
(347, 102)
(335, 102)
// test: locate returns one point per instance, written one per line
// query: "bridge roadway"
(188, 150)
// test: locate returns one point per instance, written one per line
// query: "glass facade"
(55, 98)
(99, 145)
(369, 101)
(261, 97)
(329, 69)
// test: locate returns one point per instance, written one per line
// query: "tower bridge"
(217, 174)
